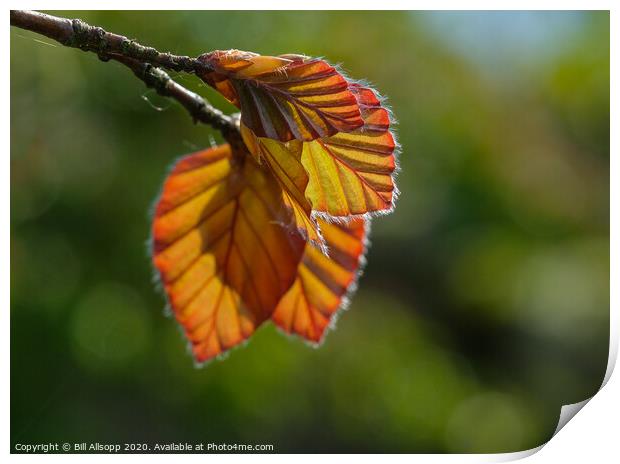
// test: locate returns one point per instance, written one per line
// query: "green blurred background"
(485, 303)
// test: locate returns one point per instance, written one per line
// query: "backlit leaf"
(284, 162)
(352, 173)
(223, 255)
(284, 97)
(322, 282)
(241, 239)
(347, 174)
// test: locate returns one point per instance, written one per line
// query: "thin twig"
(76, 33)
(144, 61)
(197, 107)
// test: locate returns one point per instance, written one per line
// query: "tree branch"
(142, 60)
(197, 107)
(76, 33)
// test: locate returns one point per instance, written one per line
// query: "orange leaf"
(322, 282)
(348, 174)
(285, 97)
(284, 162)
(352, 173)
(222, 253)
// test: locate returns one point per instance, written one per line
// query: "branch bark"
(76, 33)
(144, 61)
(196, 106)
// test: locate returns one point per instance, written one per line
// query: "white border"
(592, 435)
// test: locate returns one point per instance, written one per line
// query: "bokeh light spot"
(110, 327)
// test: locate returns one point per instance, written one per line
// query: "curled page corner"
(568, 411)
